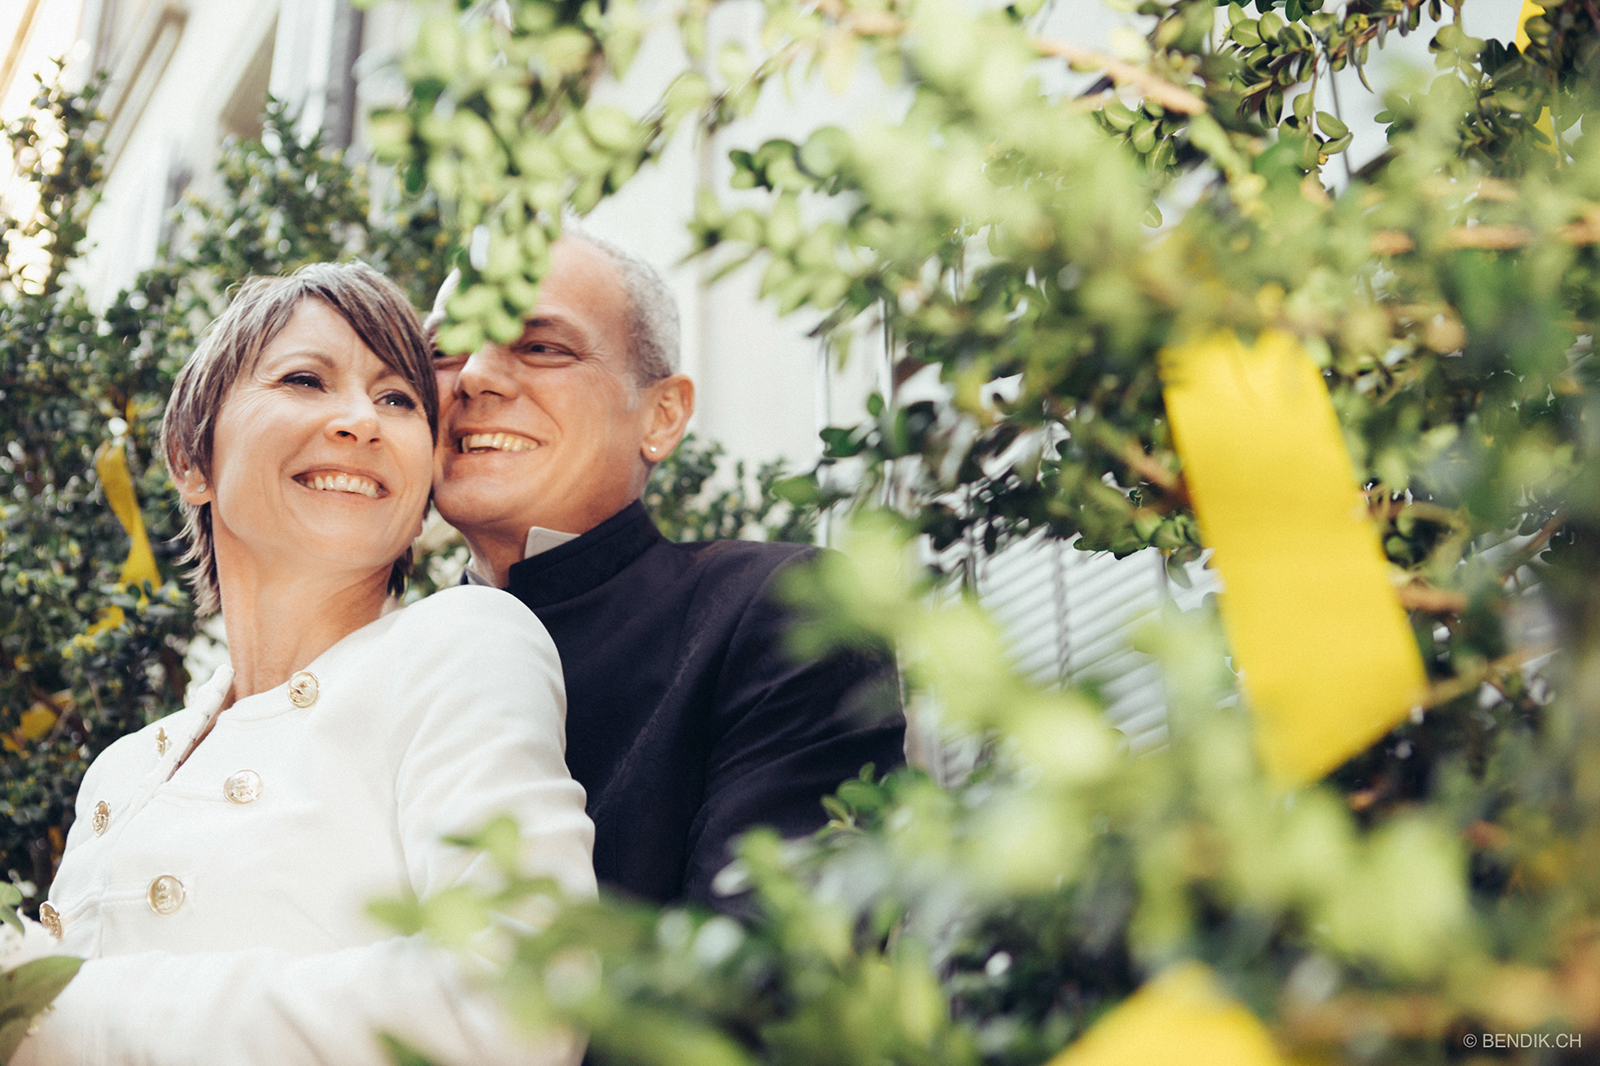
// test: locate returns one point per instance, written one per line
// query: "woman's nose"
(356, 420)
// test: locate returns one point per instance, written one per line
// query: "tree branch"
(1168, 94)
(1418, 595)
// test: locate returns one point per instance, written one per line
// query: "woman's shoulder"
(468, 604)
(469, 621)
(461, 656)
(126, 760)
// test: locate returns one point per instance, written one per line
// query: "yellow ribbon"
(1181, 1016)
(1529, 9)
(111, 463)
(1327, 656)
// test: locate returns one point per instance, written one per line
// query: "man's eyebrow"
(565, 329)
(544, 322)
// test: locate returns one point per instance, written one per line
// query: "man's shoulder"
(721, 566)
(770, 554)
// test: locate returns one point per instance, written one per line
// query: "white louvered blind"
(1071, 617)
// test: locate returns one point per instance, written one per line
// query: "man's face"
(549, 430)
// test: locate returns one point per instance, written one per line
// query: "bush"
(1446, 293)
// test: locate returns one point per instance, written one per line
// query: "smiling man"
(688, 721)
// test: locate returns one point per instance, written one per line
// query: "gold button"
(50, 918)
(161, 741)
(303, 689)
(165, 895)
(242, 786)
(102, 817)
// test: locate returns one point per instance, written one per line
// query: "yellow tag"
(1529, 9)
(1327, 656)
(1180, 1017)
(37, 721)
(111, 463)
(1544, 124)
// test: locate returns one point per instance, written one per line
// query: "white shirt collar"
(539, 540)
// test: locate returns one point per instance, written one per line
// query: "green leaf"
(1331, 126)
(825, 152)
(610, 127)
(27, 990)
(401, 1053)
(1246, 33)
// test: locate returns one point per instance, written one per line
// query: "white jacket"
(223, 909)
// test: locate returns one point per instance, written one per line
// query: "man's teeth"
(361, 486)
(496, 442)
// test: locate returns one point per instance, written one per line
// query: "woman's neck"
(276, 627)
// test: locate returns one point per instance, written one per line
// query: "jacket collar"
(571, 569)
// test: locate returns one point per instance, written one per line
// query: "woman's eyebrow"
(316, 355)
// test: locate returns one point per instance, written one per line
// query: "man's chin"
(471, 504)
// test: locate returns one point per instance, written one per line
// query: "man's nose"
(487, 371)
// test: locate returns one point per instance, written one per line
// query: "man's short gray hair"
(653, 311)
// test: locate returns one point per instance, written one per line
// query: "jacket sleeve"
(788, 733)
(483, 734)
(472, 723)
(270, 1008)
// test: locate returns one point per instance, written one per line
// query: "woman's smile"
(343, 482)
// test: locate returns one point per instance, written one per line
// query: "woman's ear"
(671, 402)
(190, 481)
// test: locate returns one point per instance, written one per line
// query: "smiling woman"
(296, 328)
(217, 875)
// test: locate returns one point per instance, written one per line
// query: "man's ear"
(191, 483)
(670, 402)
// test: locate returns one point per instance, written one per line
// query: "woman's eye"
(303, 377)
(398, 399)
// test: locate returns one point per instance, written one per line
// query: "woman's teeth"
(496, 442)
(361, 486)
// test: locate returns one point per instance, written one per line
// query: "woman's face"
(321, 457)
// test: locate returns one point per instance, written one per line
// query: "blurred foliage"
(1038, 250)
(69, 388)
(690, 501)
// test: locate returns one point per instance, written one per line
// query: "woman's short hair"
(376, 309)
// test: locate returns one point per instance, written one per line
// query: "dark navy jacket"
(688, 720)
